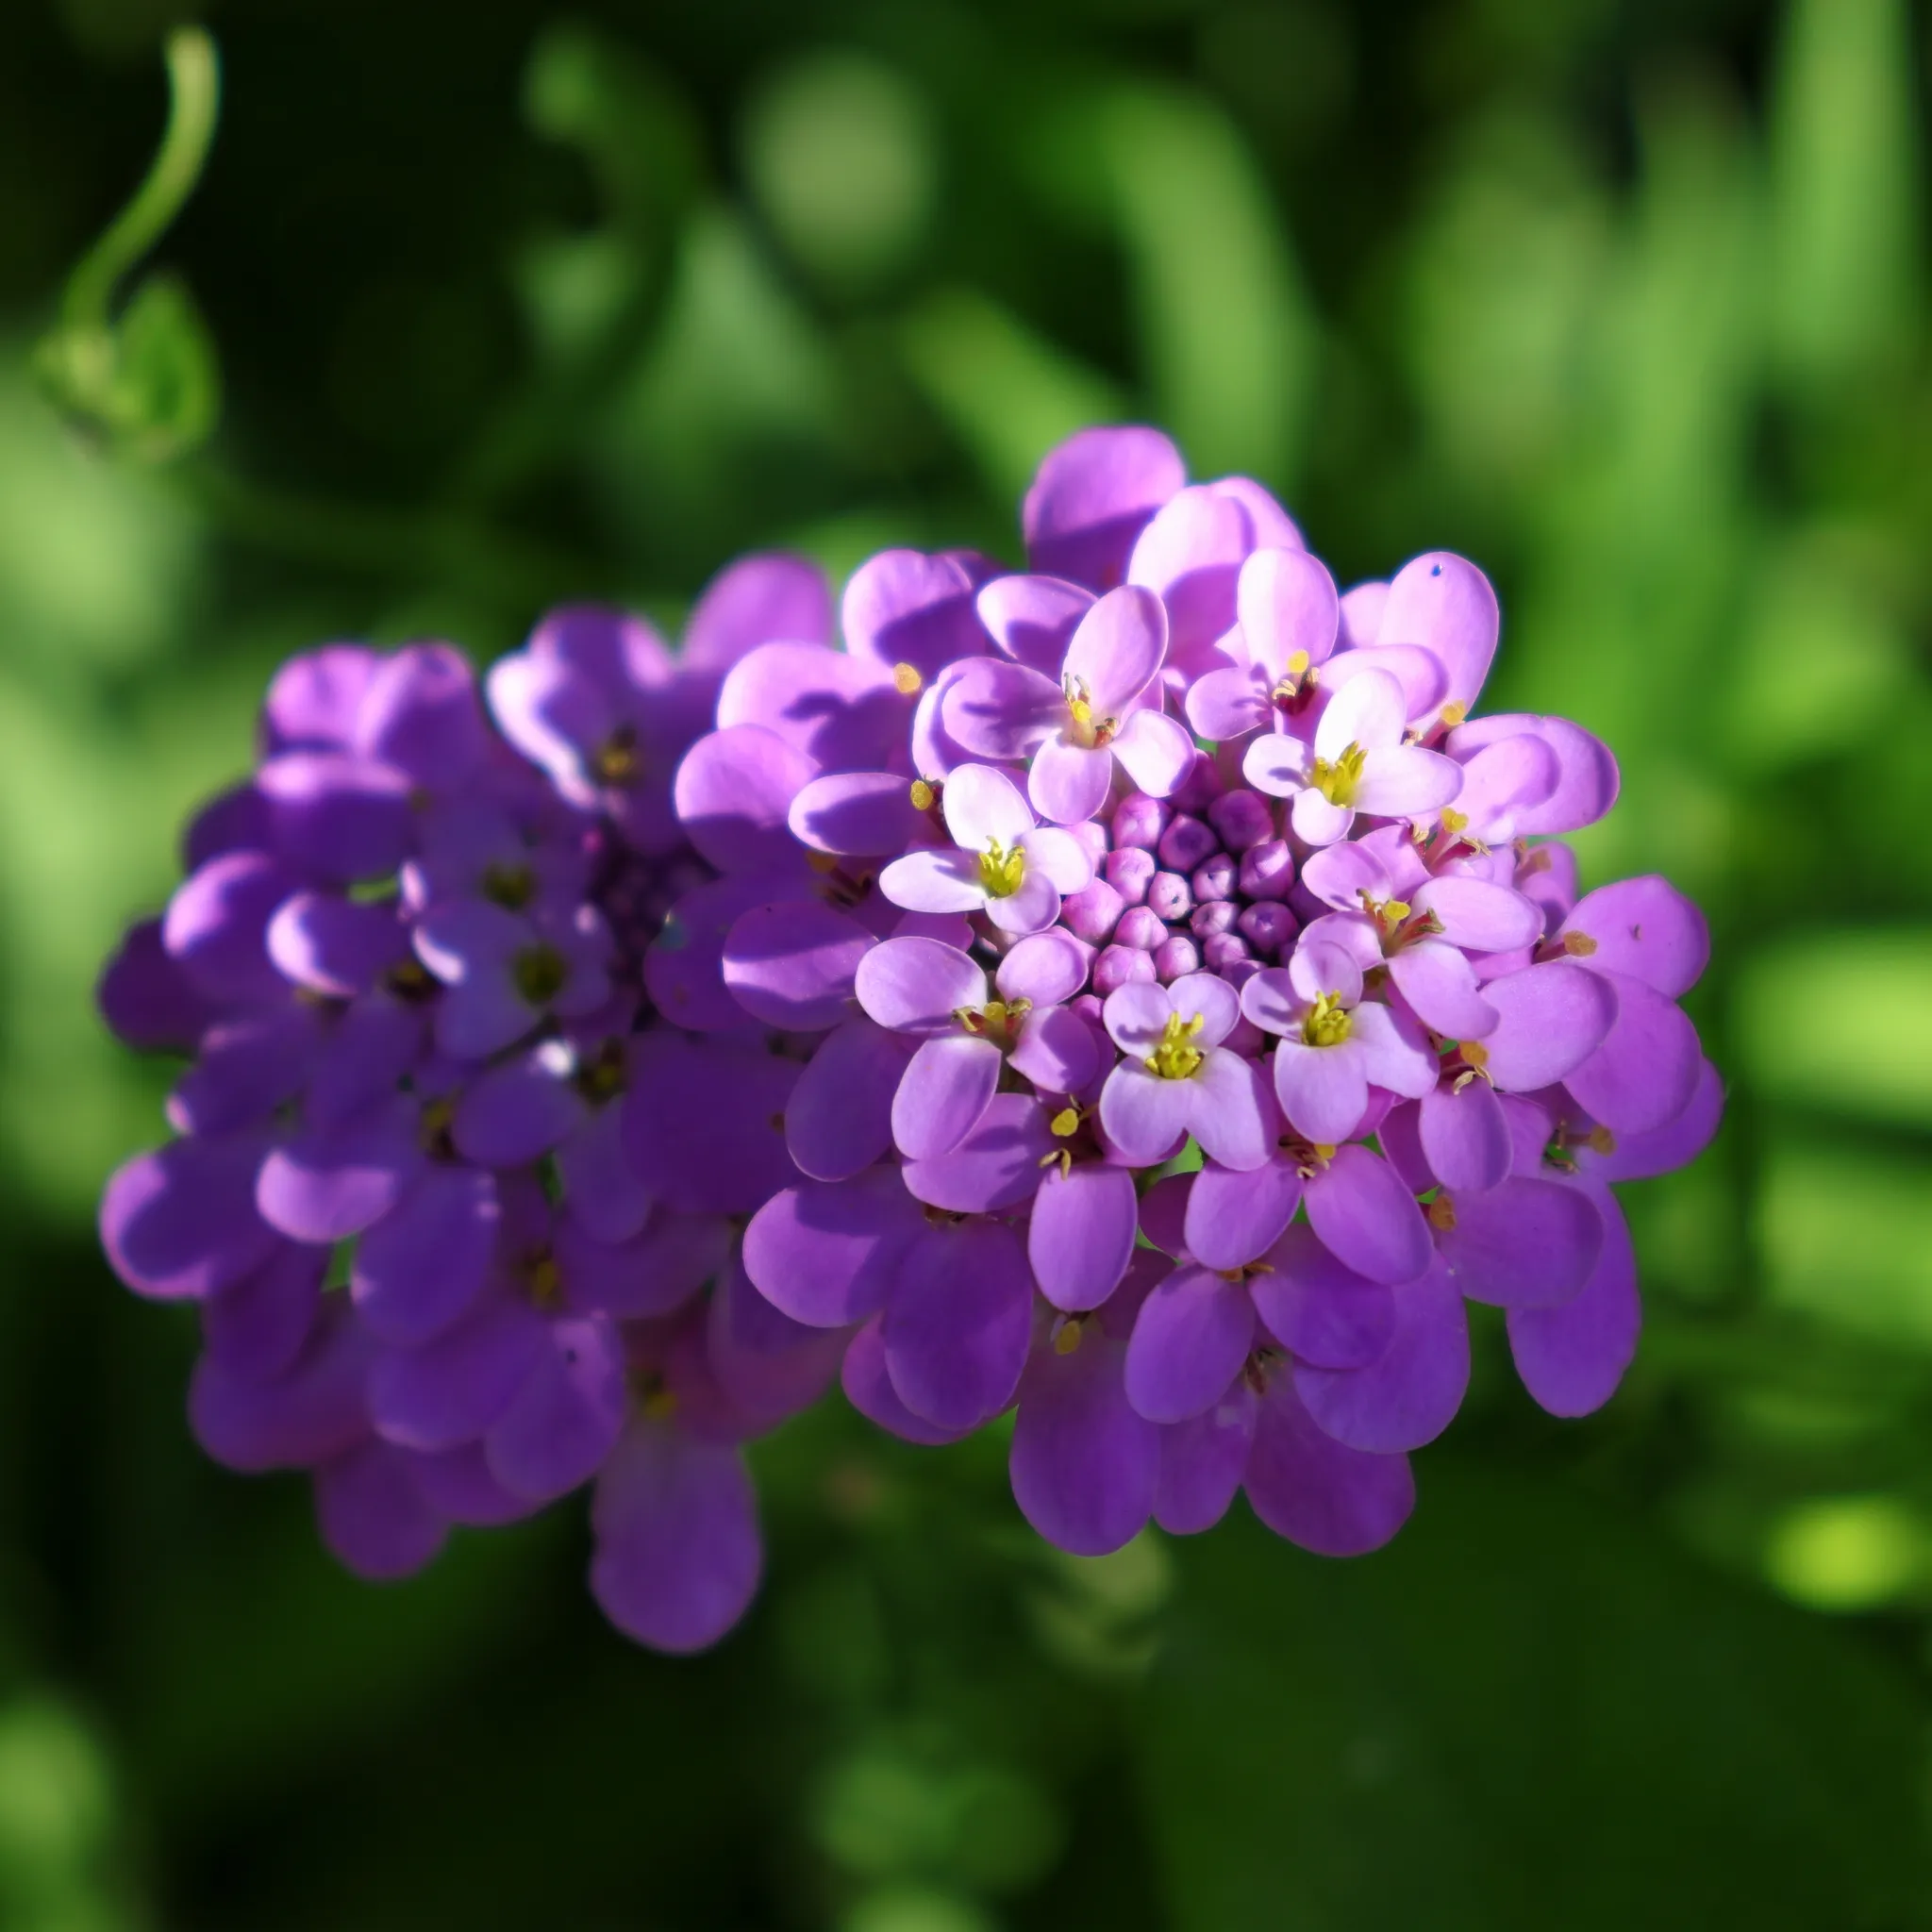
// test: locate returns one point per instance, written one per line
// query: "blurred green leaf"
(1007, 394)
(1842, 1021)
(1529, 1711)
(1846, 1238)
(1230, 342)
(1846, 164)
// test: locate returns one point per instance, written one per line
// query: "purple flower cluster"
(1133, 993)
(447, 1256)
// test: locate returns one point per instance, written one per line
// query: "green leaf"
(1529, 1711)
(1841, 1021)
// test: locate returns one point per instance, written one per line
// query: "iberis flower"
(1135, 992)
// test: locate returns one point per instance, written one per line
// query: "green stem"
(195, 94)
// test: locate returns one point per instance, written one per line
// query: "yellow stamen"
(1337, 778)
(544, 1278)
(1175, 1056)
(1453, 822)
(1453, 715)
(1068, 1337)
(1579, 945)
(923, 795)
(1001, 870)
(1443, 1214)
(1326, 1023)
(906, 680)
(1064, 1122)
(1600, 1140)
(1474, 1054)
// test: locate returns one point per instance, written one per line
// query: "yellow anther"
(1453, 715)
(1600, 1140)
(1067, 1337)
(1443, 1214)
(1297, 663)
(1064, 1122)
(1395, 909)
(1474, 1054)
(1579, 945)
(906, 680)
(1455, 822)
(1001, 870)
(1324, 1150)
(544, 1278)
(660, 1405)
(822, 862)
(924, 796)
(1326, 1023)
(616, 760)
(1337, 778)
(1175, 1056)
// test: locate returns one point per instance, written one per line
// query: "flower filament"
(1326, 1023)
(1175, 1056)
(1337, 778)
(1001, 870)
(1088, 731)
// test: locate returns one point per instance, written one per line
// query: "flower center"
(543, 1278)
(1088, 731)
(538, 973)
(1175, 1056)
(1336, 779)
(509, 886)
(998, 1021)
(616, 760)
(1296, 680)
(1326, 1023)
(1001, 870)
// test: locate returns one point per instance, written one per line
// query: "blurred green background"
(501, 304)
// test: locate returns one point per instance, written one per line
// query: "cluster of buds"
(1134, 992)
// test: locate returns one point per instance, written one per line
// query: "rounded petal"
(373, 1514)
(255, 1328)
(1068, 782)
(997, 1164)
(1369, 711)
(1441, 987)
(1189, 1340)
(1228, 703)
(1288, 607)
(1639, 1157)
(931, 880)
(958, 1324)
(758, 600)
(793, 964)
(842, 713)
(677, 1554)
(1464, 1136)
(1444, 604)
(855, 814)
(733, 792)
(313, 1412)
(419, 1267)
(1116, 652)
(1047, 968)
(1367, 1217)
(328, 1183)
(870, 1391)
(1405, 781)
(1277, 764)
(1647, 1069)
(455, 1386)
(703, 1122)
(905, 607)
(1572, 1357)
(1393, 1051)
(839, 1118)
(1092, 497)
(1549, 1020)
(567, 1415)
(1525, 1244)
(515, 1113)
(1202, 1462)
(916, 984)
(1144, 1116)
(1059, 1050)
(1030, 618)
(216, 925)
(1316, 1491)
(1322, 1089)
(1319, 1310)
(1235, 1217)
(1645, 929)
(1478, 916)
(1083, 1464)
(1410, 1393)
(181, 1223)
(826, 1254)
(995, 709)
(1081, 1235)
(944, 1093)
